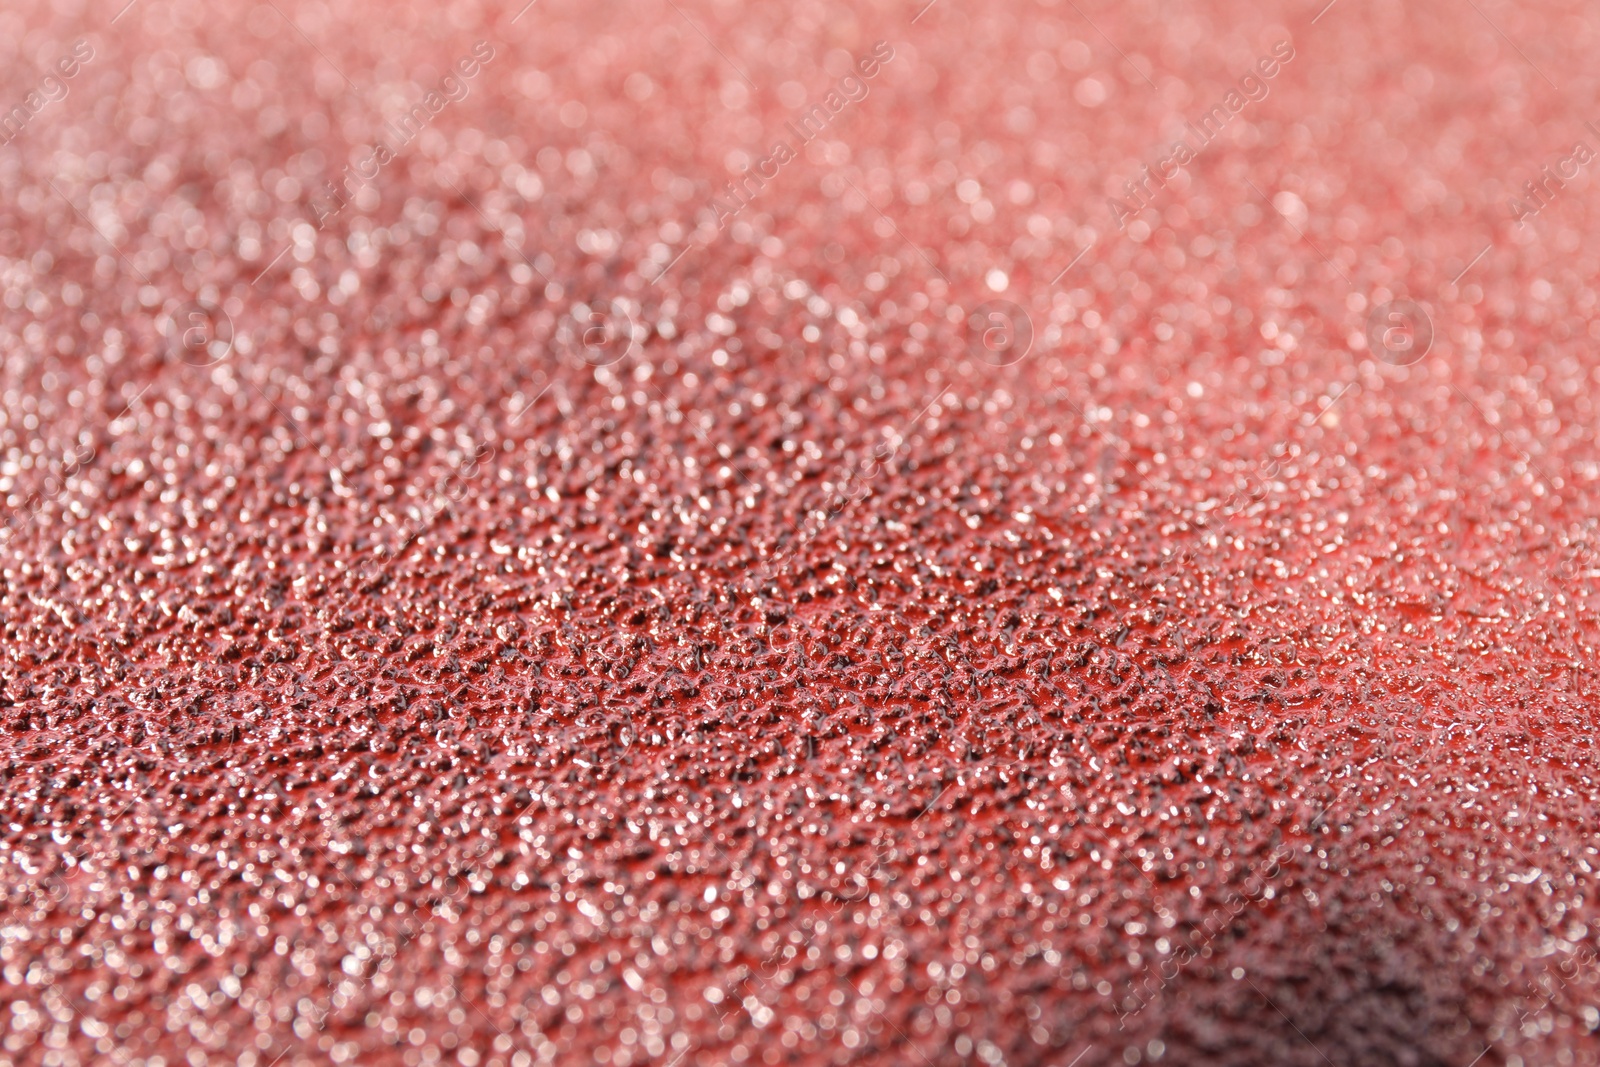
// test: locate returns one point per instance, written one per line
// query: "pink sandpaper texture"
(1051, 533)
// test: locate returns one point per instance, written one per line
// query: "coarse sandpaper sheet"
(1049, 533)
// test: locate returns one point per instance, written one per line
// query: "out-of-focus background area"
(1040, 533)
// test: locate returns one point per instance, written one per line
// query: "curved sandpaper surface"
(721, 534)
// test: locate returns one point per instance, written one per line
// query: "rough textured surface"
(519, 620)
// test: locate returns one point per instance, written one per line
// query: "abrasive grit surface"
(1039, 533)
